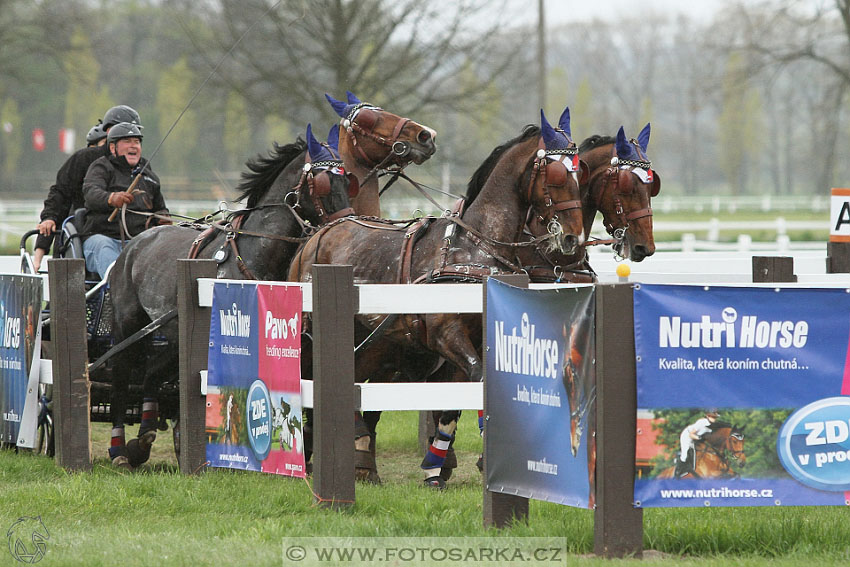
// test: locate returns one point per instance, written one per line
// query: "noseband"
(368, 119)
(537, 218)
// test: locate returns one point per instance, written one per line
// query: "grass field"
(158, 517)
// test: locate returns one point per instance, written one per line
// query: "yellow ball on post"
(623, 270)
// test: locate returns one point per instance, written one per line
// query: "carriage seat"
(69, 242)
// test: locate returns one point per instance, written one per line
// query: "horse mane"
(265, 169)
(594, 142)
(720, 425)
(476, 182)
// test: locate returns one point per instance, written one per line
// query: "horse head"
(323, 191)
(374, 137)
(553, 192)
(735, 444)
(621, 185)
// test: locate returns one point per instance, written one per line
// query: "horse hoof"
(139, 449)
(446, 473)
(435, 482)
(480, 463)
(122, 463)
(367, 475)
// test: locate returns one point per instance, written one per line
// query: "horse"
(372, 139)
(296, 189)
(525, 177)
(620, 187)
(713, 452)
(621, 183)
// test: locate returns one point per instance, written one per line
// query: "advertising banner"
(20, 347)
(743, 390)
(254, 419)
(540, 392)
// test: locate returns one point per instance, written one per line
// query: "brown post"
(335, 303)
(618, 525)
(773, 269)
(426, 429)
(837, 257)
(500, 510)
(71, 385)
(194, 338)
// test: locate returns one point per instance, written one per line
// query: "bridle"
(550, 167)
(361, 120)
(611, 184)
(317, 177)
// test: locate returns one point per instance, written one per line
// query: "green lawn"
(158, 517)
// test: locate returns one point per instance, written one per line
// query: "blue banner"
(20, 309)
(741, 390)
(540, 379)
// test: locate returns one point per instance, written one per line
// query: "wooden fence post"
(194, 337)
(71, 387)
(335, 303)
(618, 525)
(773, 269)
(499, 509)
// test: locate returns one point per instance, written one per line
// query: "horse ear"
(643, 138)
(351, 98)
(337, 105)
(544, 124)
(314, 148)
(333, 137)
(564, 122)
(624, 149)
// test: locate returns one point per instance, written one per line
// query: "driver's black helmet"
(96, 134)
(124, 130)
(120, 113)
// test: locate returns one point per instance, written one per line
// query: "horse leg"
(139, 449)
(366, 469)
(450, 462)
(118, 409)
(435, 458)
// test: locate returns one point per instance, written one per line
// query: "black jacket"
(107, 175)
(66, 195)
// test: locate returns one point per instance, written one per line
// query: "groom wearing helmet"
(106, 187)
(66, 195)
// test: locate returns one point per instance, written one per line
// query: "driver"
(105, 188)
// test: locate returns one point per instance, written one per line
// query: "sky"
(564, 11)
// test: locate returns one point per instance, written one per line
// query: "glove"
(164, 221)
(120, 198)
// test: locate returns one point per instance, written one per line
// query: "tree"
(406, 54)
(86, 99)
(173, 93)
(11, 139)
(738, 125)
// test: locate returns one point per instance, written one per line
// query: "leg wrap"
(150, 415)
(117, 445)
(436, 455)
(481, 422)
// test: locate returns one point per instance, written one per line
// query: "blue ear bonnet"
(556, 139)
(317, 151)
(333, 139)
(346, 110)
(633, 150)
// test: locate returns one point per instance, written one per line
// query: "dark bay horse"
(620, 185)
(523, 178)
(372, 140)
(298, 188)
(713, 452)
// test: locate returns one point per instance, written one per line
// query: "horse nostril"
(424, 137)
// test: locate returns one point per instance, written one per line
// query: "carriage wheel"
(45, 442)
